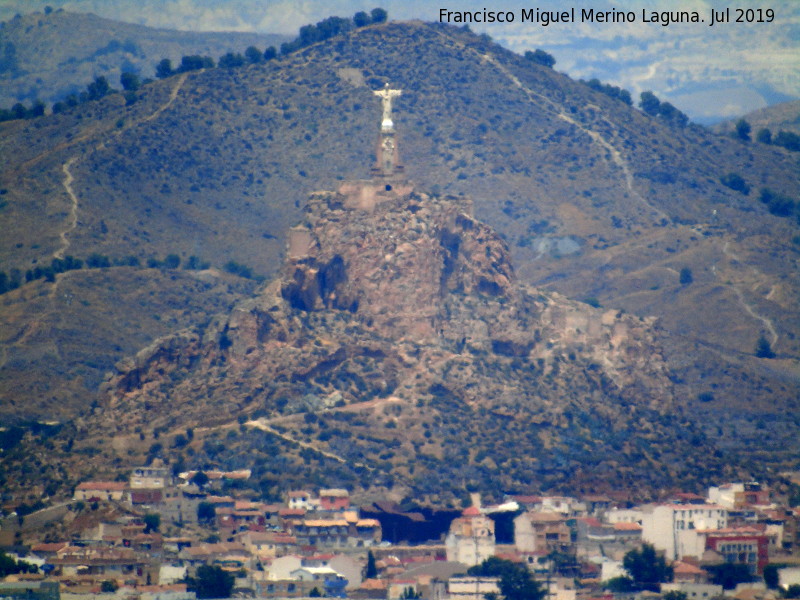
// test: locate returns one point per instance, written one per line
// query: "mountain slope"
(399, 352)
(779, 117)
(51, 55)
(594, 200)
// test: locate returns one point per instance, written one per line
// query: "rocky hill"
(48, 56)
(592, 200)
(398, 352)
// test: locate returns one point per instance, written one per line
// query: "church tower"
(388, 157)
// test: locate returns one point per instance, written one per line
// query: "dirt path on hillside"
(616, 155)
(72, 220)
(69, 179)
(264, 426)
(743, 302)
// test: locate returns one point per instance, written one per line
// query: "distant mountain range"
(779, 117)
(607, 212)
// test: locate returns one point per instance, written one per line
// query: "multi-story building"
(542, 531)
(150, 478)
(735, 496)
(471, 538)
(671, 528)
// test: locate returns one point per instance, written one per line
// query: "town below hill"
(194, 535)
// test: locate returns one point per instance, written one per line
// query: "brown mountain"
(50, 55)
(398, 351)
(592, 199)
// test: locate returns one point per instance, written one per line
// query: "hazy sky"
(709, 72)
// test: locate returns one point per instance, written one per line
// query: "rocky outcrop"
(406, 301)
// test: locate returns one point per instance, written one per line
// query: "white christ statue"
(386, 96)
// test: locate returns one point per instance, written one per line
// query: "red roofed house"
(100, 490)
(334, 499)
(684, 572)
(743, 546)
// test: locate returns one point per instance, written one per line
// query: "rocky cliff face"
(413, 270)
(405, 305)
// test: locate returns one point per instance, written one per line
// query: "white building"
(282, 568)
(471, 538)
(471, 588)
(610, 569)
(671, 528)
(302, 499)
(623, 515)
(694, 591)
(149, 478)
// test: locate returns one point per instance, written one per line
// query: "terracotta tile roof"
(49, 547)
(335, 492)
(373, 584)
(325, 523)
(116, 486)
(682, 568)
(368, 523)
(627, 527)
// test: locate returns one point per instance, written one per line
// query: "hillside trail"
(616, 156)
(749, 309)
(262, 425)
(69, 179)
(619, 160)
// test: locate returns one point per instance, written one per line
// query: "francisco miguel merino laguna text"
(590, 15)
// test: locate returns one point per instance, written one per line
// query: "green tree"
(315, 593)
(379, 15)
(152, 522)
(686, 276)
(231, 60)
(675, 595)
(540, 57)
(516, 581)
(199, 479)
(172, 261)
(649, 103)
(130, 81)
(763, 348)
(735, 182)
(212, 582)
(788, 140)
(764, 136)
(729, 575)
(620, 585)
(270, 53)
(109, 586)
(647, 568)
(206, 513)
(253, 55)
(361, 19)
(771, 575)
(195, 62)
(37, 109)
(743, 130)
(372, 570)
(98, 261)
(164, 68)
(409, 593)
(98, 88)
